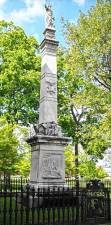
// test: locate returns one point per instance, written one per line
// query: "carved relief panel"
(51, 88)
(51, 167)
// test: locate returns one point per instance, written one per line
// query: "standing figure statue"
(49, 19)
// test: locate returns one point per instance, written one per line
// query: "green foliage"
(19, 95)
(84, 81)
(88, 168)
(14, 151)
(24, 151)
(90, 42)
(87, 165)
(19, 74)
(23, 166)
(69, 161)
(8, 147)
(101, 173)
(81, 113)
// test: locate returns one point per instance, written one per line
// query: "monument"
(47, 146)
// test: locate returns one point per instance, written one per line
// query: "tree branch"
(73, 114)
(103, 84)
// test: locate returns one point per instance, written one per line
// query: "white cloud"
(2, 3)
(32, 9)
(80, 2)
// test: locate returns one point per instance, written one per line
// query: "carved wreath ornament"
(51, 88)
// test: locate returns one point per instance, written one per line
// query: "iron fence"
(12, 183)
(54, 206)
(51, 206)
(71, 182)
(16, 183)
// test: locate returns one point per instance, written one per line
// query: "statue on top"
(49, 19)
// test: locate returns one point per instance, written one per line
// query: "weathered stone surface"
(47, 160)
(48, 91)
(50, 129)
(47, 164)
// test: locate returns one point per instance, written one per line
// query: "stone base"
(47, 166)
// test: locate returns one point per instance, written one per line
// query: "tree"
(23, 165)
(19, 75)
(69, 161)
(87, 165)
(90, 41)
(84, 103)
(80, 113)
(88, 168)
(8, 148)
(84, 82)
(14, 151)
(19, 78)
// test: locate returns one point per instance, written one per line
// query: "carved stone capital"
(49, 129)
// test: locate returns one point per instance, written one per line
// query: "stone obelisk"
(47, 165)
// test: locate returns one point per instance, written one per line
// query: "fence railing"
(14, 184)
(41, 207)
(17, 183)
(53, 206)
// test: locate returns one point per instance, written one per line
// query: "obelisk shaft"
(48, 90)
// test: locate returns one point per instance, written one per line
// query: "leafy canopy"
(84, 80)
(8, 147)
(87, 166)
(19, 74)
(14, 151)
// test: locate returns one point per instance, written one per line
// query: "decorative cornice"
(50, 139)
(50, 42)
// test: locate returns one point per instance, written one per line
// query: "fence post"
(10, 206)
(108, 199)
(38, 206)
(33, 206)
(21, 209)
(77, 204)
(48, 208)
(16, 205)
(27, 204)
(54, 195)
(5, 205)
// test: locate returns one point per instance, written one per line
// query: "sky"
(29, 14)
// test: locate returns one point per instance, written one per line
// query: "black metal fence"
(12, 183)
(41, 207)
(17, 182)
(83, 183)
(53, 206)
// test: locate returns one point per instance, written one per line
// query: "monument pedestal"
(47, 164)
